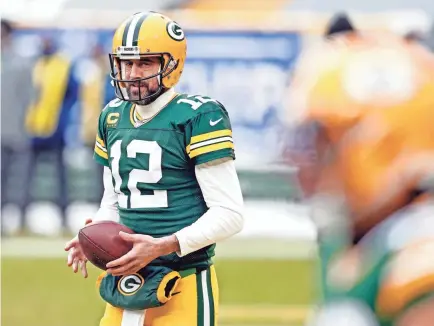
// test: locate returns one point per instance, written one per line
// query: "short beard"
(147, 100)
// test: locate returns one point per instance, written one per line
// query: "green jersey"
(153, 163)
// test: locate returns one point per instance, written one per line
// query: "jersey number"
(153, 175)
(197, 102)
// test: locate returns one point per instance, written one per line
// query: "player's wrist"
(169, 244)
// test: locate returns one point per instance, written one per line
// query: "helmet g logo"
(130, 284)
(175, 31)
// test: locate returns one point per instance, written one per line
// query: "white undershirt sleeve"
(221, 190)
(108, 209)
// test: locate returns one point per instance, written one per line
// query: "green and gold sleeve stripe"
(101, 153)
(100, 141)
(209, 139)
(211, 148)
(100, 150)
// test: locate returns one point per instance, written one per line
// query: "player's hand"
(76, 257)
(145, 249)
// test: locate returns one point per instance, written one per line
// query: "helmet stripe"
(125, 33)
(132, 27)
(137, 29)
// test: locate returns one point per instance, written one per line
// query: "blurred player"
(339, 24)
(169, 175)
(371, 99)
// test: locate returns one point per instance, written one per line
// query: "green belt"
(190, 271)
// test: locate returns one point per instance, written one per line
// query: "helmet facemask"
(121, 84)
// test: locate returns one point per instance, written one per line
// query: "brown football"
(101, 242)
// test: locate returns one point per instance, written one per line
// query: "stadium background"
(240, 52)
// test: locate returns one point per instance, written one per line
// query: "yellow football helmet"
(148, 34)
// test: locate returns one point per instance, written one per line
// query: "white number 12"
(199, 100)
(153, 175)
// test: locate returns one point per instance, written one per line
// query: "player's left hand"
(145, 249)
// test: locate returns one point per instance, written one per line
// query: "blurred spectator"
(48, 116)
(301, 141)
(414, 36)
(16, 95)
(340, 23)
(430, 41)
(95, 93)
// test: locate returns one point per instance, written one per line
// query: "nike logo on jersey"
(213, 123)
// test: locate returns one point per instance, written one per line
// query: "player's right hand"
(76, 256)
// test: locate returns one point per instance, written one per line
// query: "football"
(101, 242)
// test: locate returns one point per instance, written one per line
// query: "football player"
(169, 175)
(370, 98)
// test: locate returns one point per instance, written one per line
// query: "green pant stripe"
(200, 315)
(211, 298)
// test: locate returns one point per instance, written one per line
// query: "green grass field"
(40, 290)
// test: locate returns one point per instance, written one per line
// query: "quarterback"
(169, 175)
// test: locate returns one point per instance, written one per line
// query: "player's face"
(137, 69)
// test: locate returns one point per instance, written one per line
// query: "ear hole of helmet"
(170, 64)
